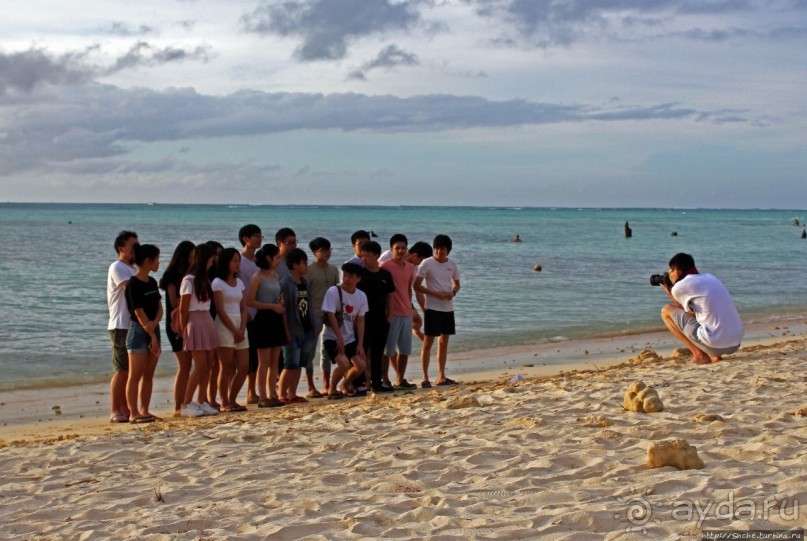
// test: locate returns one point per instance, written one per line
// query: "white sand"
(555, 457)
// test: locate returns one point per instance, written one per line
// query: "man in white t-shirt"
(344, 308)
(703, 315)
(119, 321)
(438, 278)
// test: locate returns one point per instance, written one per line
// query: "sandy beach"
(553, 455)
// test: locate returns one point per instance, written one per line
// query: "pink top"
(403, 278)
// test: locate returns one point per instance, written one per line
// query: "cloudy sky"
(662, 103)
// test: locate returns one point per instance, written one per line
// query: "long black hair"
(225, 258)
(201, 281)
(180, 262)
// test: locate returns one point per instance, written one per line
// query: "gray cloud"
(122, 29)
(546, 23)
(145, 54)
(389, 57)
(98, 121)
(24, 71)
(328, 26)
(117, 179)
(720, 35)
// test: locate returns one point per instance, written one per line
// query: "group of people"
(254, 316)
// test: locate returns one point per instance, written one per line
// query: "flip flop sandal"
(336, 395)
(316, 394)
(447, 382)
(298, 400)
(426, 384)
(140, 419)
(119, 418)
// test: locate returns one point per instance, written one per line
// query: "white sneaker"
(191, 410)
(207, 409)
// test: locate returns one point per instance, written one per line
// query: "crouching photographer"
(702, 315)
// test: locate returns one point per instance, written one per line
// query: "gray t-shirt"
(319, 280)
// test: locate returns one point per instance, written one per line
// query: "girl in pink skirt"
(199, 333)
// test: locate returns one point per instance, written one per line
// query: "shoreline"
(30, 415)
(457, 351)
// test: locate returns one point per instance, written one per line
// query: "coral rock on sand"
(677, 453)
(462, 402)
(681, 353)
(646, 355)
(707, 418)
(595, 420)
(642, 399)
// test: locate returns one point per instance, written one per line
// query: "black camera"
(658, 279)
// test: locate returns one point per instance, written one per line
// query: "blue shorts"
(299, 352)
(689, 326)
(138, 340)
(400, 336)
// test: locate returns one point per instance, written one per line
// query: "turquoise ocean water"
(594, 281)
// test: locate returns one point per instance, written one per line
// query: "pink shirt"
(403, 278)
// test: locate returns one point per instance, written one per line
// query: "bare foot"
(716, 359)
(701, 359)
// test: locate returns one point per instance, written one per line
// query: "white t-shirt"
(355, 305)
(186, 288)
(721, 326)
(232, 295)
(439, 277)
(119, 273)
(386, 256)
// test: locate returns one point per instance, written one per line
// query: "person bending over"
(702, 314)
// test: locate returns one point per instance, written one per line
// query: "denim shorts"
(400, 336)
(299, 351)
(138, 340)
(689, 326)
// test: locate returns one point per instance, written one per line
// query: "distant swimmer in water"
(796, 221)
(628, 231)
(803, 232)
(517, 238)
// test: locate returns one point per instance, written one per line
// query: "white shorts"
(226, 338)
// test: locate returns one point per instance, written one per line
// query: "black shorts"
(436, 323)
(270, 331)
(173, 338)
(331, 350)
(253, 350)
